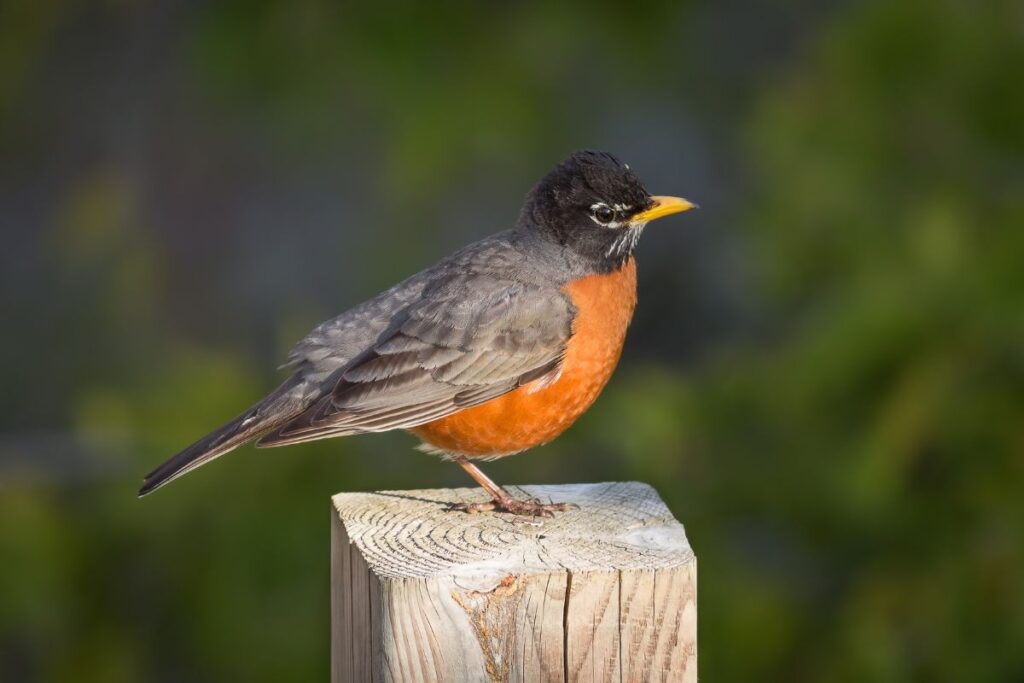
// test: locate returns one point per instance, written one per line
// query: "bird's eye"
(603, 213)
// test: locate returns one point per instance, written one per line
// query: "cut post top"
(415, 534)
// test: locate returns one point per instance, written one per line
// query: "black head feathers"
(586, 203)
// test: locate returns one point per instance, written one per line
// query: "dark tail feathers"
(264, 417)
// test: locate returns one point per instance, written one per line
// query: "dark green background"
(825, 378)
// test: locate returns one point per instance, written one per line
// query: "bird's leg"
(501, 500)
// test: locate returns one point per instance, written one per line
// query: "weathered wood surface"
(606, 592)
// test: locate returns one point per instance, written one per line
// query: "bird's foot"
(526, 508)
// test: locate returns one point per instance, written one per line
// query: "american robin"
(495, 349)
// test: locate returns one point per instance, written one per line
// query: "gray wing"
(467, 339)
(335, 343)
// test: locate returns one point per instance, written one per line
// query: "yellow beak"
(662, 206)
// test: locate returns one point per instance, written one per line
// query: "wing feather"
(469, 340)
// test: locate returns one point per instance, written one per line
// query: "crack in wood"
(492, 615)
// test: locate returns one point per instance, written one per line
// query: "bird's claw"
(526, 508)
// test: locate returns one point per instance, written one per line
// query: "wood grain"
(606, 592)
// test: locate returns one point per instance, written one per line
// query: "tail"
(267, 415)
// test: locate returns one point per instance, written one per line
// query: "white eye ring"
(602, 213)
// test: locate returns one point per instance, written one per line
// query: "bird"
(493, 350)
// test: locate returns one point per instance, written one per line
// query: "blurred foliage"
(840, 426)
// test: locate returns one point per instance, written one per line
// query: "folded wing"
(469, 339)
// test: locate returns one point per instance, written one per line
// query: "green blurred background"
(825, 377)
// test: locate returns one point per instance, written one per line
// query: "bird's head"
(594, 204)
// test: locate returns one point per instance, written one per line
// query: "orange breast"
(535, 414)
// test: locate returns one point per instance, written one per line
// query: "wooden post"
(607, 592)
